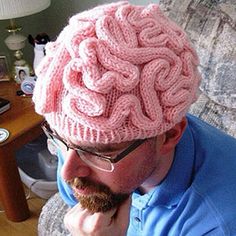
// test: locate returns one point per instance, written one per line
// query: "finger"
(80, 219)
(106, 218)
(74, 216)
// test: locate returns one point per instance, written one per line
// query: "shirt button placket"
(137, 222)
(137, 219)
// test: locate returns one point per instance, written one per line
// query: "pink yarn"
(117, 72)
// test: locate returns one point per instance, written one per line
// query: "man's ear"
(172, 136)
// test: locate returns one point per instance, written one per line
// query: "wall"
(51, 21)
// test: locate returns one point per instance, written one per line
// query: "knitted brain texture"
(117, 72)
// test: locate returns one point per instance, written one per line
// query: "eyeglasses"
(94, 159)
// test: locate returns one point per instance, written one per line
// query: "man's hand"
(81, 222)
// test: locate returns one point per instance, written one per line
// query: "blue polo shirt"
(197, 197)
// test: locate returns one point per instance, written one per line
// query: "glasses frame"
(52, 134)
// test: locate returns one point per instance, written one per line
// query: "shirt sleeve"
(64, 189)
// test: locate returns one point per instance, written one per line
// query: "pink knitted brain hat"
(116, 73)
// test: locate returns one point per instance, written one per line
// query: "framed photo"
(4, 72)
(22, 72)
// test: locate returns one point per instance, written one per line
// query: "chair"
(212, 28)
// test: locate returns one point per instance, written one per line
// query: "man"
(114, 89)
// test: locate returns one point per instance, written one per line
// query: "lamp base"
(15, 41)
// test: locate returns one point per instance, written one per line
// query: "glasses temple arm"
(128, 150)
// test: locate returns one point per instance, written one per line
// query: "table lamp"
(15, 9)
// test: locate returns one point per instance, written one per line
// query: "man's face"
(97, 190)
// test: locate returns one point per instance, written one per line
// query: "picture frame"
(4, 69)
(22, 72)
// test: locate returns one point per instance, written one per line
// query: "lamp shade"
(19, 8)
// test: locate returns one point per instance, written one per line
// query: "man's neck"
(159, 173)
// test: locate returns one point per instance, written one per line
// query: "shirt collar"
(178, 179)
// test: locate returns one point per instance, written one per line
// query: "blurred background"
(50, 21)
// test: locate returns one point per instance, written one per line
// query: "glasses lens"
(60, 144)
(52, 147)
(96, 161)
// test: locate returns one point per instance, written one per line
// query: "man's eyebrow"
(99, 149)
(107, 148)
(103, 148)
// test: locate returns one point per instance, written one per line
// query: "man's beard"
(101, 199)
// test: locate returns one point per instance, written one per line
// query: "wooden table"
(23, 125)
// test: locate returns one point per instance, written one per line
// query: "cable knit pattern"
(117, 72)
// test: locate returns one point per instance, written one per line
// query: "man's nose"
(73, 166)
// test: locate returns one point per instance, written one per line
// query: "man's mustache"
(83, 182)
